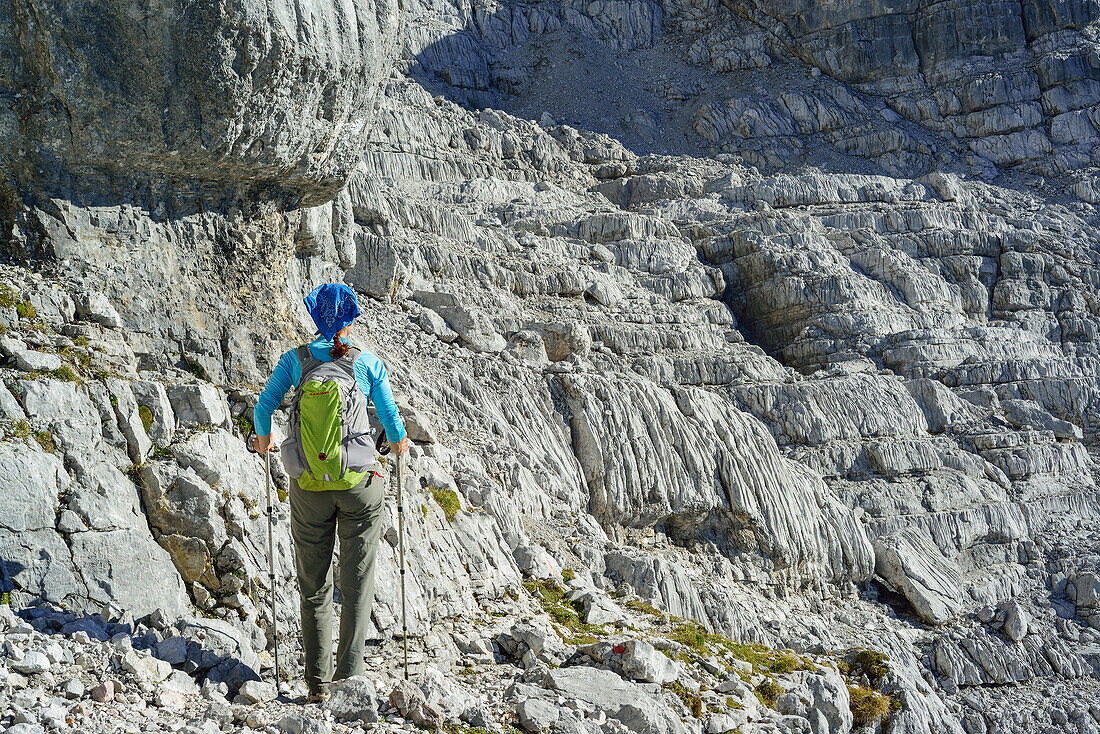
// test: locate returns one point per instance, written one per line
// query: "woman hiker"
(327, 497)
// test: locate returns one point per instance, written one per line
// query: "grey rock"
(722, 723)
(435, 324)
(537, 715)
(354, 699)
(169, 700)
(910, 561)
(299, 724)
(181, 683)
(1030, 413)
(565, 340)
(473, 327)
(32, 361)
(154, 397)
(256, 691)
(641, 662)
(70, 522)
(9, 406)
(620, 699)
(534, 561)
(199, 404)
(34, 662)
(127, 567)
(352, 50)
(221, 638)
(172, 650)
(25, 728)
(73, 688)
(411, 702)
(378, 271)
(147, 670)
(95, 306)
(1015, 620)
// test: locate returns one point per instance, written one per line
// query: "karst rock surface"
(737, 339)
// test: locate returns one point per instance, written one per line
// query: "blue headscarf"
(332, 306)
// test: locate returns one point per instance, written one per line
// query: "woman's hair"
(340, 347)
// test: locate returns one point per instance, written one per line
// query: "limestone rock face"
(913, 564)
(772, 321)
(242, 99)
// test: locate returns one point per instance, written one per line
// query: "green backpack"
(329, 443)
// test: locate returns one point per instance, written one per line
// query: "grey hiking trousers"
(316, 518)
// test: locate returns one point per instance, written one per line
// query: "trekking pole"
(270, 551)
(401, 550)
(271, 565)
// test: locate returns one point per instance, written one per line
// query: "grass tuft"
(870, 663)
(194, 368)
(18, 429)
(243, 424)
(134, 473)
(689, 697)
(45, 440)
(768, 692)
(868, 705)
(564, 612)
(66, 374)
(690, 634)
(8, 296)
(644, 607)
(25, 310)
(447, 499)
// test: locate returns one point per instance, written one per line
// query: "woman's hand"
(262, 444)
(400, 447)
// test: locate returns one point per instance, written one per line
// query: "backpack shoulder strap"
(347, 362)
(307, 360)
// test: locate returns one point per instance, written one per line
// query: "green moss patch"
(644, 607)
(689, 697)
(25, 310)
(447, 500)
(146, 416)
(861, 661)
(66, 373)
(564, 612)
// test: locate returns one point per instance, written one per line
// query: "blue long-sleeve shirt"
(370, 373)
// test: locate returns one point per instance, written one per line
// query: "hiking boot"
(320, 696)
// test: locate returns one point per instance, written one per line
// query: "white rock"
(641, 662)
(70, 522)
(74, 688)
(353, 699)
(910, 561)
(96, 307)
(257, 691)
(31, 361)
(148, 670)
(537, 715)
(34, 662)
